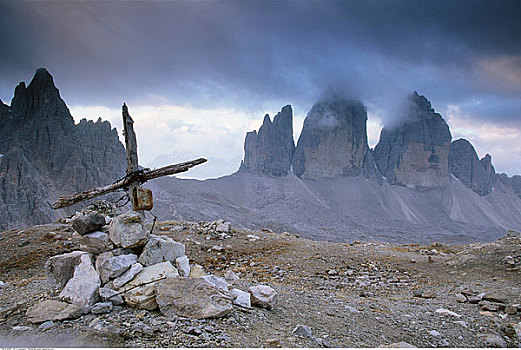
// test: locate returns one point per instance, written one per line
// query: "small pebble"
(434, 333)
(46, 325)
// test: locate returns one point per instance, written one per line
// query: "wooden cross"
(134, 178)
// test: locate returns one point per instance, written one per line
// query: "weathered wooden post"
(141, 198)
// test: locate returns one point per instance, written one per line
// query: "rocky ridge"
(44, 154)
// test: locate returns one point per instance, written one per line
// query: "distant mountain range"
(416, 185)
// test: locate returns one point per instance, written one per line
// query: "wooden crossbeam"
(138, 177)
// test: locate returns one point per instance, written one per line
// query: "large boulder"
(82, 288)
(139, 292)
(191, 297)
(160, 249)
(96, 242)
(219, 282)
(60, 268)
(414, 151)
(270, 151)
(52, 310)
(128, 230)
(88, 222)
(333, 141)
(115, 266)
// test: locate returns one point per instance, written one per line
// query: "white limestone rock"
(127, 275)
(115, 266)
(241, 298)
(263, 296)
(82, 288)
(191, 297)
(128, 230)
(60, 268)
(160, 249)
(183, 265)
(219, 282)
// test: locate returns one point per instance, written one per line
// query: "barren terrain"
(360, 294)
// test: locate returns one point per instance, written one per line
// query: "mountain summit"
(44, 154)
(270, 151)
(333, 141)
(414, 153)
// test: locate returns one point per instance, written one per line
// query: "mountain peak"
(415, 151)
(40, 94)
(333, 141)
(42, 81)
(270, 151)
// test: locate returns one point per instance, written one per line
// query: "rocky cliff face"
(333, 141)
(45, 155)
(478, 175)
(270, 151)
(414, 153)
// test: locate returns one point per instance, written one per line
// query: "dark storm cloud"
(245, 53)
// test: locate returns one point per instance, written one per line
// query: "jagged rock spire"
(415, 151)
(270, 151)
(478, 175)
(333, 141)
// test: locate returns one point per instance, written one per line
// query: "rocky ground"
(329, 294)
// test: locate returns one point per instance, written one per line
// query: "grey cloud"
(245, 53)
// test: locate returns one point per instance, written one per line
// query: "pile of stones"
(123, 263)
(488, 302)
(218, 229)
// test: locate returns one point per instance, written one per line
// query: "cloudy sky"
(197, 75)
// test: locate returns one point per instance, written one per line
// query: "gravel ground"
(362, 294)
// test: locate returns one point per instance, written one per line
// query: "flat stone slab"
(242, 298)
(52, 310)
(150, 274)
(128, 275)
(191, 297)
(115, 266)
(96, 242)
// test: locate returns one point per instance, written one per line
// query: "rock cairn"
(123, 263)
